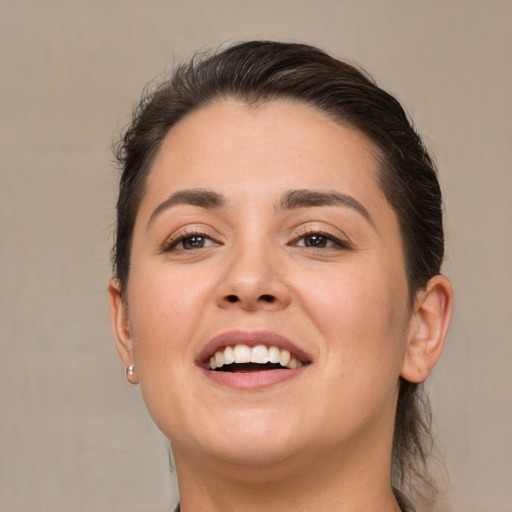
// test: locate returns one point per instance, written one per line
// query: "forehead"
(229, 143)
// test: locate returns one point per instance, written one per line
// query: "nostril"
(265, 298)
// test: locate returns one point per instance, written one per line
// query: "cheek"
(165, 307)
(363, 315)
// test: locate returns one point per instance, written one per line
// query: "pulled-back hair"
(260, 71)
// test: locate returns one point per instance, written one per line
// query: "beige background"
(73, 435)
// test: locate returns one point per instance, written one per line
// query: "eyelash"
(337, 244)
(173, 242)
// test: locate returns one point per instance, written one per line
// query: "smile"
(242, 358)
(250, 360)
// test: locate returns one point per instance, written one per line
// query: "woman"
(277, 289)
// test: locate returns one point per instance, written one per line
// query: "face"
(262, 232)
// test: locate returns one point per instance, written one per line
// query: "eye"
(319, 240)
(316, 240)
(189, 242)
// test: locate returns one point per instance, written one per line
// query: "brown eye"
(319, 240)
(316, 240)
(189, 242)
(193, 242)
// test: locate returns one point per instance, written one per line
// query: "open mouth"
(241, 358)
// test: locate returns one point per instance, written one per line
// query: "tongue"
(250, 367)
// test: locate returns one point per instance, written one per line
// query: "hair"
(260, 71)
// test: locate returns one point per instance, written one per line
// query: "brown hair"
(260, 71)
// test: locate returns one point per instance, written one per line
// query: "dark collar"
(403, 502)
(404, 505)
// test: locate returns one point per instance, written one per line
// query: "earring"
(130, 372)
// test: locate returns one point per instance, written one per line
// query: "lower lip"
(252, 380)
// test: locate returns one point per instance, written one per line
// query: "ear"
(121, 327)
(429, 325)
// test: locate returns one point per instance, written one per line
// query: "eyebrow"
(291, 200)
(311, 198)
(195, 197)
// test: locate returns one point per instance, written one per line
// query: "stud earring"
(130, 372)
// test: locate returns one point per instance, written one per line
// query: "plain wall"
(74, 436)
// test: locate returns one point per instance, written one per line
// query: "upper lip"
(251, 339)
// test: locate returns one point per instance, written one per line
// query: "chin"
(250, 438)
(254, 455)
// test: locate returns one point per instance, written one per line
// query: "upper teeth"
(259, 354)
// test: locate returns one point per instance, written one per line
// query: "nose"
(254, 280)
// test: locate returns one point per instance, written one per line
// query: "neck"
(338, 482)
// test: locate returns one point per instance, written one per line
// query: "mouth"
(245, 359)
(240, 352)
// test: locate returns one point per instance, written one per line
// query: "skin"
(322, 439)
